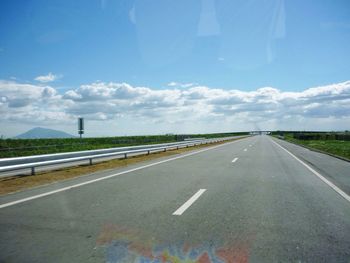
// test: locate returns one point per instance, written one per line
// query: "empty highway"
(257, 199)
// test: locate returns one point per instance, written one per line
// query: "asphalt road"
(246, 201)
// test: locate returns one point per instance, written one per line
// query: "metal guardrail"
(55, 156)
(121, 152)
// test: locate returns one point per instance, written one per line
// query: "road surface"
(253, 200)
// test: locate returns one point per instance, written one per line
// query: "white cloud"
(181, 85)
(192, 109)
(172, 84)
(47, 78)
(31, 104)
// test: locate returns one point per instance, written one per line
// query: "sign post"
(81, 127)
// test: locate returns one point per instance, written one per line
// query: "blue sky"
(155, 42)
(219, 44)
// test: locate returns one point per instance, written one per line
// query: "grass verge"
(334, 147)
(17, 183)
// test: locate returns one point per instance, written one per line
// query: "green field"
(26, 147)
(337, 147)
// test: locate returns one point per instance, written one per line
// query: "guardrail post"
(177, 147)
(32, 170)
(164, 149)
(125, 156)
(148, 152)
(90, 161)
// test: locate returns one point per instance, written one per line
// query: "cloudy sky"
(151, 67)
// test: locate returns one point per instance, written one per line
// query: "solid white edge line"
(108, 176)
(189, 202)
(234, 160)
(333, 186)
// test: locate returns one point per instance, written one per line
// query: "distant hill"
(43, 133)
